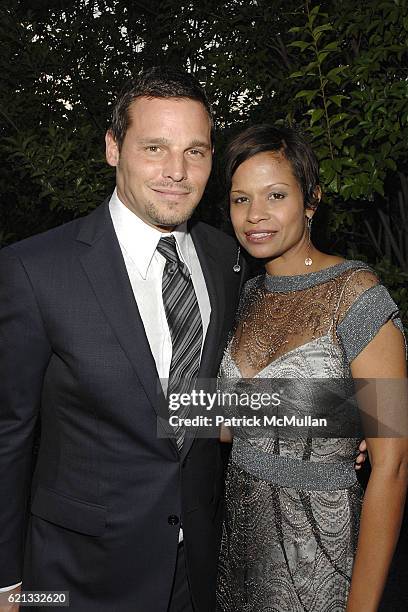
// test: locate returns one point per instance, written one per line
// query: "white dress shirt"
(144, 265)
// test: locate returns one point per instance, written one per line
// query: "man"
(123, 516)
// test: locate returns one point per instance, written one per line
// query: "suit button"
(173, 519)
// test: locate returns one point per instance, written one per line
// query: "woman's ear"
(315, 201)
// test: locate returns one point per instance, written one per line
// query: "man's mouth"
(171, 194)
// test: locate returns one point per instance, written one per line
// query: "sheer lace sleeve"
(365, 306)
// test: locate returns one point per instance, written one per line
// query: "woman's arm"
(225, 434)
(383, 505)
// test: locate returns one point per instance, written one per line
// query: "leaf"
(321, 56)
(334, 185)
(378, 186)
(333, 46)
(310, 67)
(297, 74)
(301, 44)
(390, 163)
(313, 14)
(337, 118)
(334, 74)
(337, 99)
(385, 149)
(315, 114)
(323, 28)
(309, 94)
(316, 131)
(327, 170)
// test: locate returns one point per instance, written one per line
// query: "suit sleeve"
(24, 355)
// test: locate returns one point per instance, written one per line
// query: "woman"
(293, 540)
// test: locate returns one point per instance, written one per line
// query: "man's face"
(165, 160)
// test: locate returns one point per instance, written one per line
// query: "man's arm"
(24, 355)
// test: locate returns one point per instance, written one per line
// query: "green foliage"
(53, 166)
(335, 69)
(356, 94)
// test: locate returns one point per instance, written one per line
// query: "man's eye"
(152, 148)
(196, 153)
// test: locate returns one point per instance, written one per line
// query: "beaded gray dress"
(292, 505)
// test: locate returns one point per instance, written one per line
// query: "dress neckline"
(305, 281)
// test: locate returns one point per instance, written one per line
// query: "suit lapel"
(211, 268)
(103, 264)
(215, 287)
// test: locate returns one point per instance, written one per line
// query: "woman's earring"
(309, 260)
(237, 266)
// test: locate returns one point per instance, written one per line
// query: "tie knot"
(167, 248)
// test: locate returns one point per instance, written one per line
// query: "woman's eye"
(239, 200)
(276, 195)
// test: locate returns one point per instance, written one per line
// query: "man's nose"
(175, 167)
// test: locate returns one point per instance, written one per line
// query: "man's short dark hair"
(263, 138)
(156, 82)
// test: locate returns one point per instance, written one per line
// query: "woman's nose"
(257, 211)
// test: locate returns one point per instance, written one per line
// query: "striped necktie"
(184, 321)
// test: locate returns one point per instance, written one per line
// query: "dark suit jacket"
(107, 492)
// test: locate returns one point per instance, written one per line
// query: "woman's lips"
(259, 236)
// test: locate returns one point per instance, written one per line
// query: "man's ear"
(111, 149)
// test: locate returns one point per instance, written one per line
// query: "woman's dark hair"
(156, 82)
(285, 141)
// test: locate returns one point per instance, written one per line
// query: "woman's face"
(267, 211)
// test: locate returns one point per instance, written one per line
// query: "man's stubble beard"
(172, 216)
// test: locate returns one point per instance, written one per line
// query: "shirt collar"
(140, 240)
